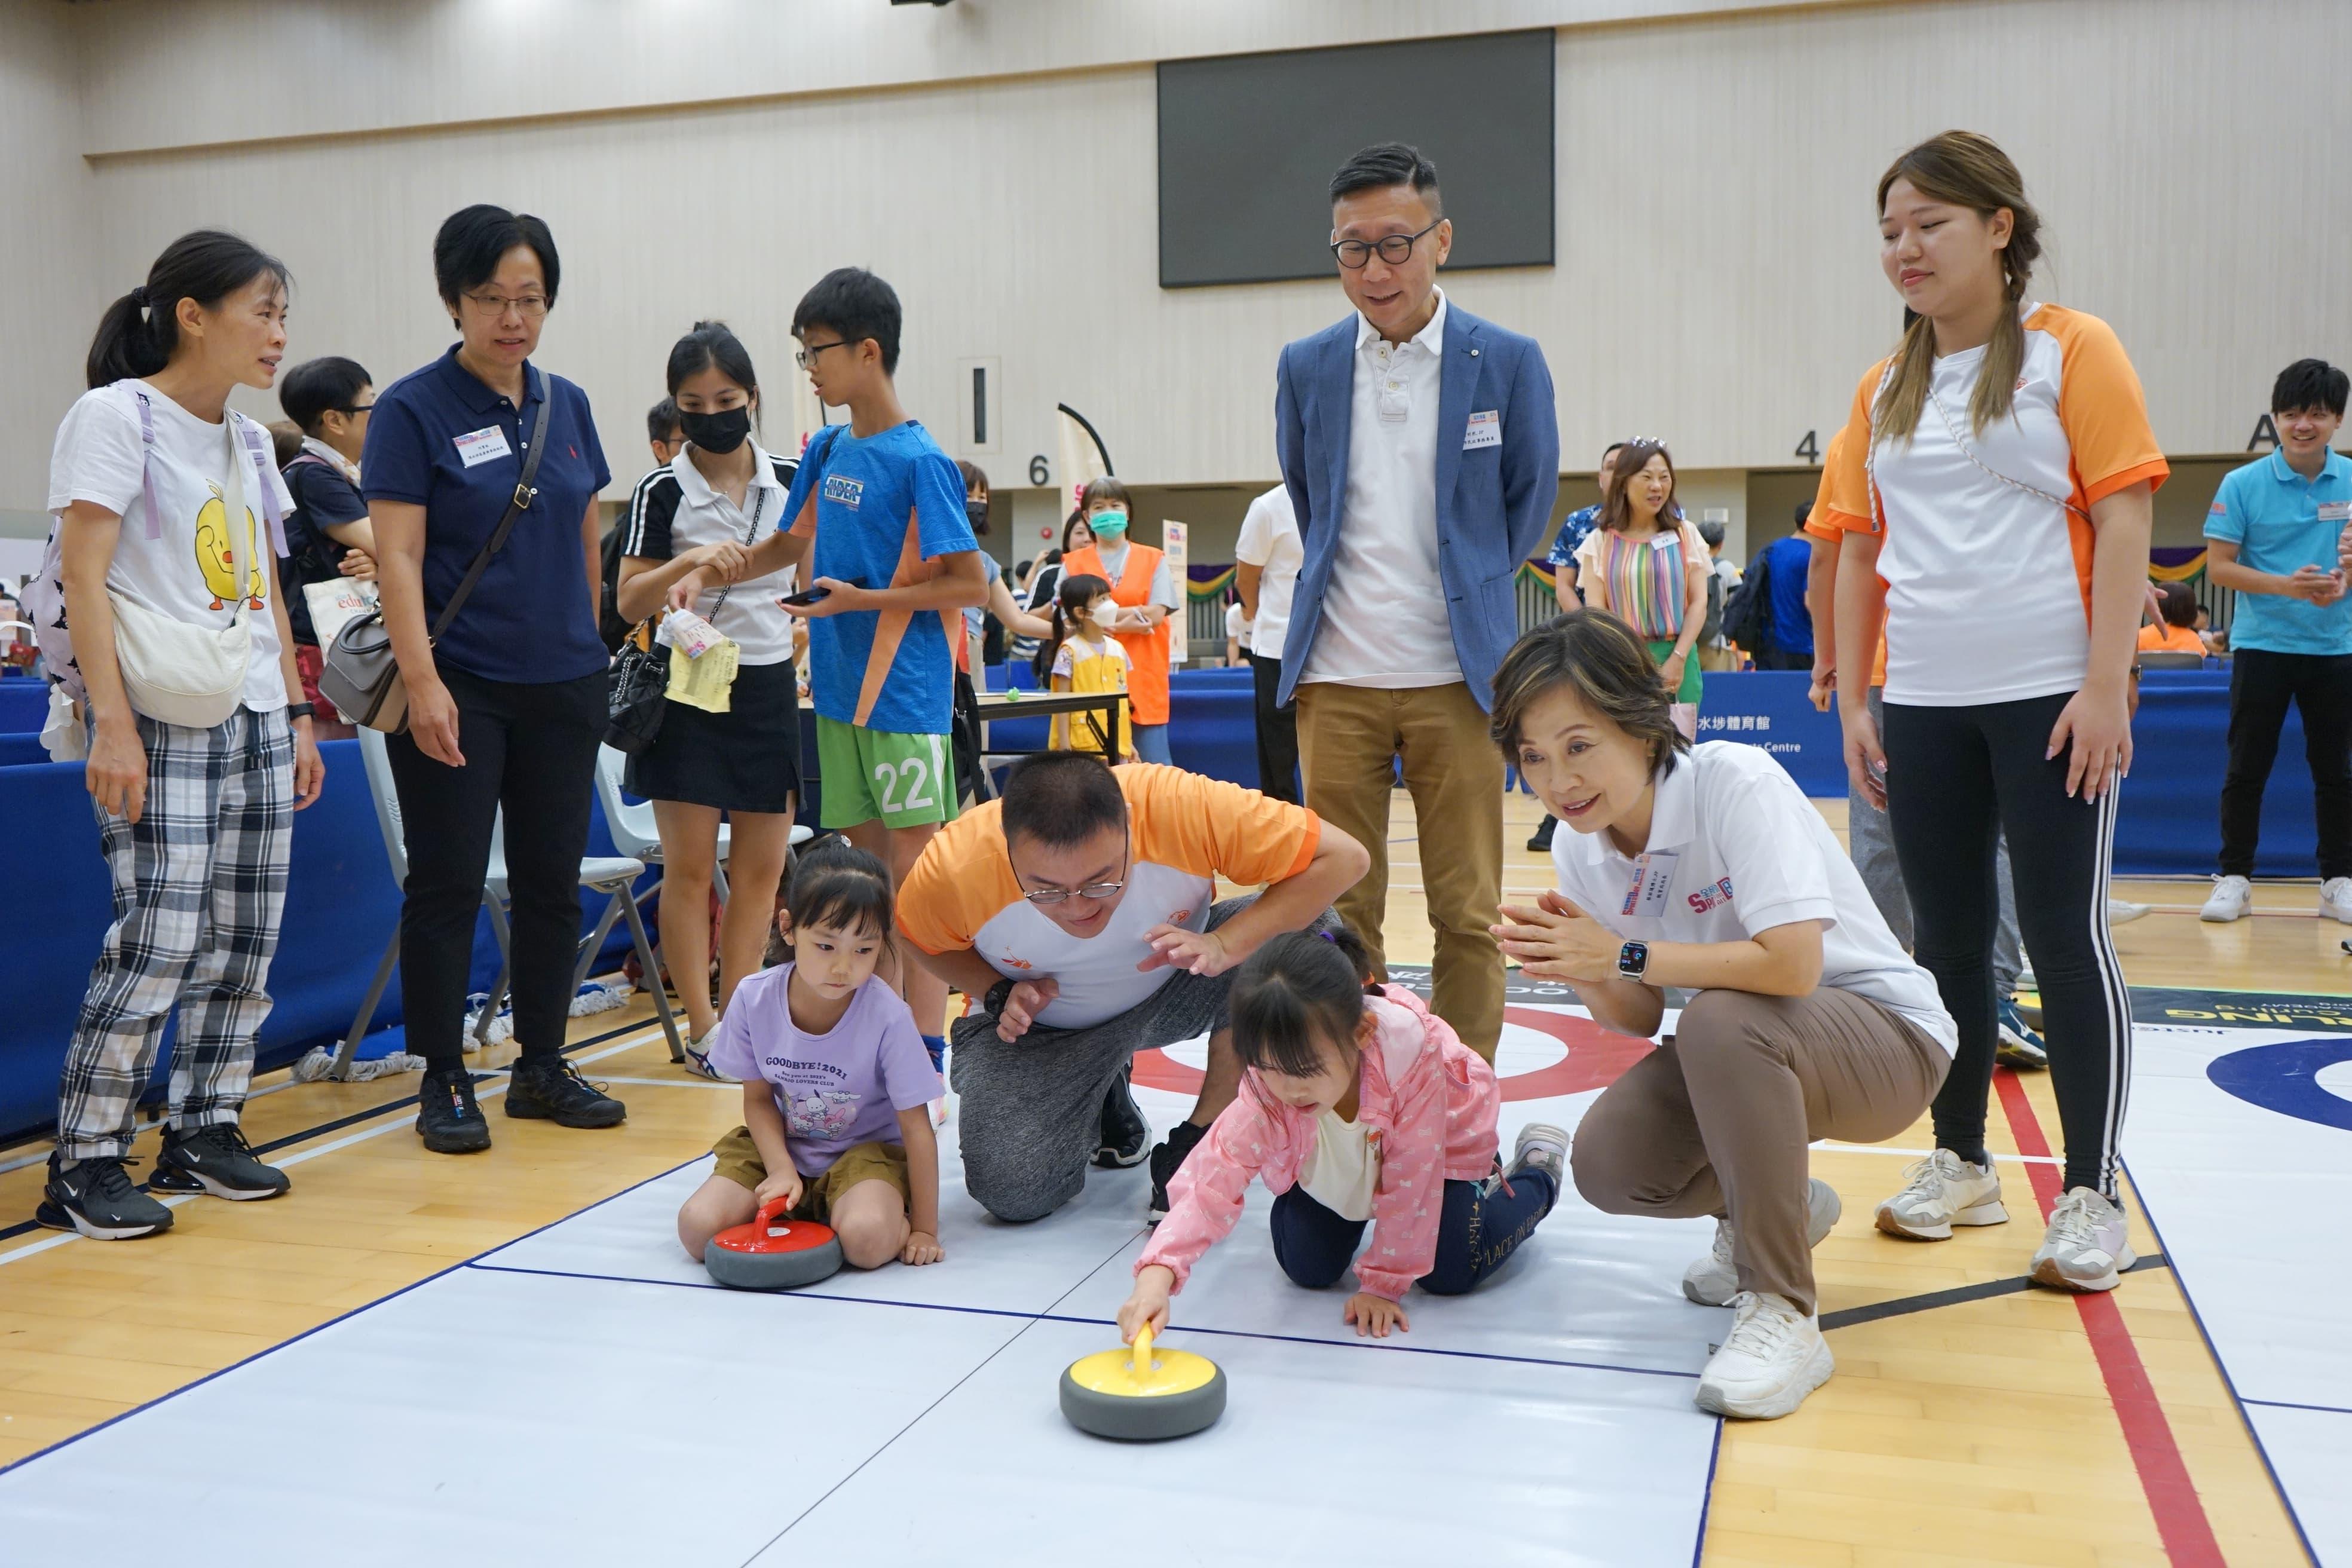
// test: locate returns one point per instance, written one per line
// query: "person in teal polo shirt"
(2275, 534)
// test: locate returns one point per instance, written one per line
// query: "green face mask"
(1113, 523)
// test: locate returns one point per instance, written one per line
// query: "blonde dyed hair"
(1962, 169)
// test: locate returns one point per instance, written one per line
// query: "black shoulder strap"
(520, 502)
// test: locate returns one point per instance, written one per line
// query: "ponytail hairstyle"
(1965, 170)
(1074, 594)
(1633, 456)
(714, 343)
(1342, 935)
(137, 335)
(1291, 1000)
(836, 884)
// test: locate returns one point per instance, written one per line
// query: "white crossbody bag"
(193, 676)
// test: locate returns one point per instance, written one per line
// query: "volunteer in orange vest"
(1146, 597)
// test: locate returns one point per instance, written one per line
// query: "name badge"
(2335, 511)
(480, 446)
(1653, 875)
(1486, 430)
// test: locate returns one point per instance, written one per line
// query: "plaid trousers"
(199, 884)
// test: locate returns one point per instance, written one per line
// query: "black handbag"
(639, 691)
(638, 695)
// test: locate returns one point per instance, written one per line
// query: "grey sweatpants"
(1871, 843)
(1716, 1120)
(1029, 1114)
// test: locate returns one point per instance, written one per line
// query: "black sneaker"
(1125, 1135)
(1166, 1159)
(215, 1160)
(98, 1199)
(1541, 843)
(549, 1089)
(447, 1115)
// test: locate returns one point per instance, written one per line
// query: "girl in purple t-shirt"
(837, 1083)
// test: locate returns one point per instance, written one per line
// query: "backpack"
(1712, 627)
(1748, 609)
(609, 624)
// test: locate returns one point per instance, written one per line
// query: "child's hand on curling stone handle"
(1147, 1305)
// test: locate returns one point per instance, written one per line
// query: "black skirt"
(746, 759)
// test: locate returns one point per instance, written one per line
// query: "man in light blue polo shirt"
(2275, 534)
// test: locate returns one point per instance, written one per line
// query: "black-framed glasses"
(351, 408)
(1356, 254)
(1093, 893)
(803, 356)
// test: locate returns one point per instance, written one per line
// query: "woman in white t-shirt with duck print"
(194, 824)
(1994, 482)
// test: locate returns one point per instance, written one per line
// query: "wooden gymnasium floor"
(2024, 1428)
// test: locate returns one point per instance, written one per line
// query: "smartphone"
(810, 595)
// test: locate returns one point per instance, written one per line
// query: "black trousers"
(531, 750)
(1277, 733)
(1774, 659)
(2262, 683)
(1957, 779)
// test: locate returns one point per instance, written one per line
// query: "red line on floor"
(2173, 1497)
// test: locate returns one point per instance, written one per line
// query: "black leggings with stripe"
(1956, 778)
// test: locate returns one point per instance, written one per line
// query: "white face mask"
(1103, 612)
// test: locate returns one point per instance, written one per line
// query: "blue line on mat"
(2229, 1383)
(1064, 1318)
(2284, 1405)
(1707, 1492)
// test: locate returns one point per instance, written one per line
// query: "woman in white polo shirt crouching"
(1705, 869)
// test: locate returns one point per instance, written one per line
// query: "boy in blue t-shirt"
(2277, 535)
(877, 509)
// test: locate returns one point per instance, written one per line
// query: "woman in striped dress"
(1649, 568)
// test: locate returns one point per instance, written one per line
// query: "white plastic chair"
(633, 832)
(611, 875)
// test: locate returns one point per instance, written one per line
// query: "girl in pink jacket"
(1358, 1108)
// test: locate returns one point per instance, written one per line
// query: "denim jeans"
(1480, 1230)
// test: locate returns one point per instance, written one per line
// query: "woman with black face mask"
(719, 496)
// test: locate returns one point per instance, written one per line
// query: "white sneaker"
(1713, 1281)
(2122, 911)
(2230, 899)
(698, 1057)
(2335, 898)
(1540, 1147)
(1940, 1191)
(1772, 1358)
(2084, 1247)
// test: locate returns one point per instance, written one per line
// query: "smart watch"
(998, 995)
(1633, 960)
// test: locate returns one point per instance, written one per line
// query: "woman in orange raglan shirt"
(1995, 484)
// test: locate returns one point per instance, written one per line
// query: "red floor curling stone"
(772, 1253)
(1143, 1396)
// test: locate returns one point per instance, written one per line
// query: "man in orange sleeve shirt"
(1078, 912)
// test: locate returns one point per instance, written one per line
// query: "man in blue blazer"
(1421, 447)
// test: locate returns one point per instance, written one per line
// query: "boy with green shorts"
(879, 508)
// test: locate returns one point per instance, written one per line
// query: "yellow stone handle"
(1140, 1364)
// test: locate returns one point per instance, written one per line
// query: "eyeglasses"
(1093, 893)
(351, 408)
(803, 356)
(1354, 254)
(530, 306)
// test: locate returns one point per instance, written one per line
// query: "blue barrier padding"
(2169, 825)
(24, 705)
(341, 908)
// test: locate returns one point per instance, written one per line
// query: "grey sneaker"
(1540, 1147)
(1713, 1281)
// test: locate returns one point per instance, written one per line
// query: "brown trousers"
(1348, 740)
(1718, 1119)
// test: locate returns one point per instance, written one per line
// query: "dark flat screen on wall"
(1248, 144)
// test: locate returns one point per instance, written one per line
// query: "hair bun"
(138, 296)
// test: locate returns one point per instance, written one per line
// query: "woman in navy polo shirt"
(508, 708)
